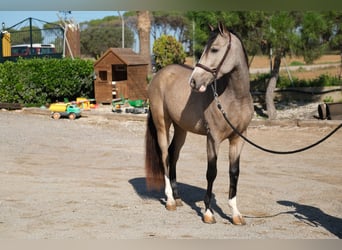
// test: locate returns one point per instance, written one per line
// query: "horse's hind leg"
(174, 150)
(170, 155)
(163, 141)
(235, 148)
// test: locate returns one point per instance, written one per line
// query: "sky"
(11, 18)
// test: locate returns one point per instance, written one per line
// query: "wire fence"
(32, 38)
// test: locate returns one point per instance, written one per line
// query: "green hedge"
(40, 81)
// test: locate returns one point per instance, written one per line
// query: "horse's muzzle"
(194, 86)
(192, 83)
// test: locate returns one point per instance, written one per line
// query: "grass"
(296, 63)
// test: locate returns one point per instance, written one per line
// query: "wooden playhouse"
(120, 72)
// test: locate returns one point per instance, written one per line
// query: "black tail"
(153, 162)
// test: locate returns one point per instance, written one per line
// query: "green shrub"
(328, 99)
(46, 80)
(167, 50)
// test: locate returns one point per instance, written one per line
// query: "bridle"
(214, 71)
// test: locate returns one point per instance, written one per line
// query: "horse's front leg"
(211, 176)
(235, 148)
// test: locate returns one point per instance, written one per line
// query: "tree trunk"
(270, 107)
(340, 75)
(144, 28)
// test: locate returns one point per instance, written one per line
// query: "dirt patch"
(84, 179)
(312, 74)
(302, 73)
(263, 61)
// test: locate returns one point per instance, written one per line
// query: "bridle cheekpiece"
(214, 71)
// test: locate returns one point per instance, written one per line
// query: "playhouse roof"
(126, 55)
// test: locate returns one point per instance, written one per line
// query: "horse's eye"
(213, 50)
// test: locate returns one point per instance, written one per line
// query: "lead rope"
(219, 106)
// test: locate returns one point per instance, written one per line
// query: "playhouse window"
(103, 75)
(119, 72)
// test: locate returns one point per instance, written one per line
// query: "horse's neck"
(239, 82)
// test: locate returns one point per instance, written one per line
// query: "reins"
(219, 106)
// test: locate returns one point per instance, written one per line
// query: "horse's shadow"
(189, 194)
(314, 217)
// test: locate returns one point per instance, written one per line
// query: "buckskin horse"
(187, 99)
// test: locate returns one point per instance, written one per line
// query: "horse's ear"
(222, 28)
(211, 27)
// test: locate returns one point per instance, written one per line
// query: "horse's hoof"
(171, 207)
(179, 203)
(209, 218)
(239, 220)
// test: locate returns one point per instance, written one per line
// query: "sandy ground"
(84, 179)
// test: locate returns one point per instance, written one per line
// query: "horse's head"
(216, 60)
